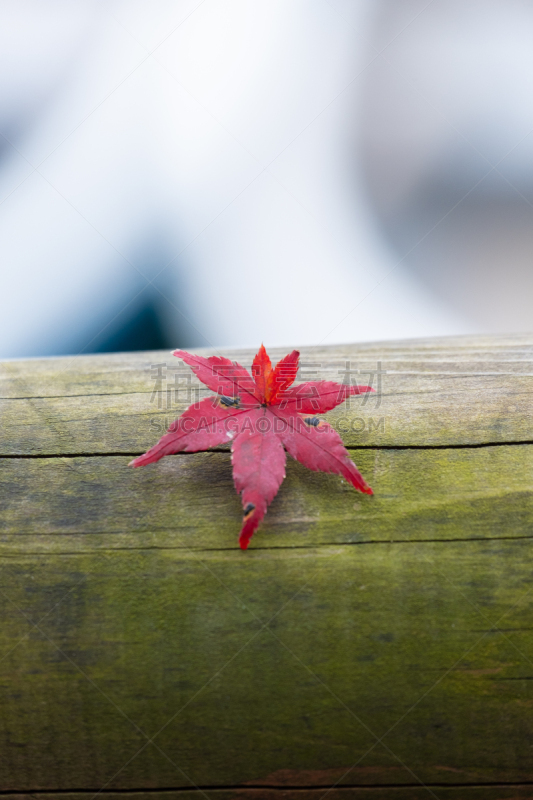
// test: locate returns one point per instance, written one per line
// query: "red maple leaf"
(263, 418)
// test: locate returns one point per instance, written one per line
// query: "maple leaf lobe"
(261, 372)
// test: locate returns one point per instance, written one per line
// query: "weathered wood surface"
(456, 391)
(188, 501)
(378, 647)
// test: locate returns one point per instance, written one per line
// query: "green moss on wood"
(189, 501)
(268, 661)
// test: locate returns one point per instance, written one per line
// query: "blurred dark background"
(222, 173)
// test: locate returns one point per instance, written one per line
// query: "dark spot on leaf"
(314, 421)
(248, 510)
(230, 401)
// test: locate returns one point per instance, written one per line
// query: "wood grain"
(188, 501)
(446, 392)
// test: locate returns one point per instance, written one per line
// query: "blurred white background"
(226, 172)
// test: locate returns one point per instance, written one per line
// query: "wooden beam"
(376, 647)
